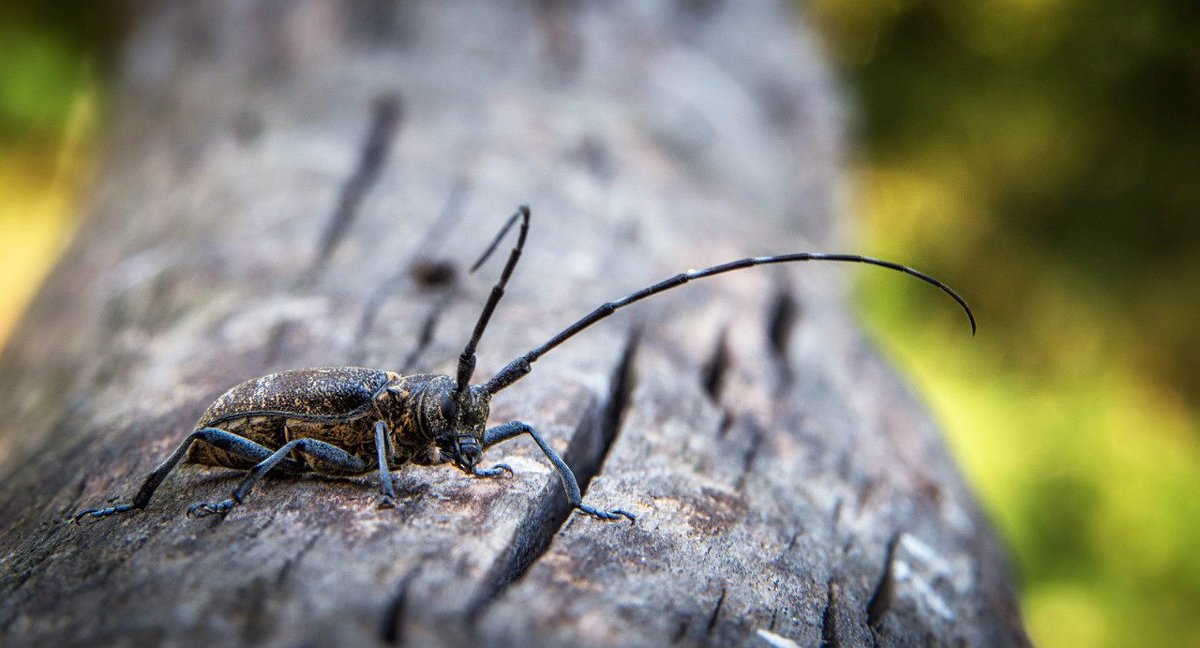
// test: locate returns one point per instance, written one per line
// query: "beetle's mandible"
(353, 421)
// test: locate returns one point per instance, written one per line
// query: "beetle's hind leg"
(222, 439)
(325, 452)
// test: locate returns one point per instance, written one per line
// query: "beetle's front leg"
(385, 452)
(495, 471)
(515, 428)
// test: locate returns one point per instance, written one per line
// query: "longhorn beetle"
(351, 421)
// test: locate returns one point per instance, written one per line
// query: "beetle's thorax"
(426, 413)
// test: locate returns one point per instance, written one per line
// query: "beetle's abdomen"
(268, 410)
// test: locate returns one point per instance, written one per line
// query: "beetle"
(344, 421)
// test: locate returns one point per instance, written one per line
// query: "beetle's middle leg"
(328, 453)
(222, 439)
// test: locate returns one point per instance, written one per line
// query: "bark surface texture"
(294, 184)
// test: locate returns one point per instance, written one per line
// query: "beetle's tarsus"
(613, 515)
(495, 471)
(205, 509)
(387, 502)
(103, 512)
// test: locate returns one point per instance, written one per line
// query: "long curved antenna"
(466, 361)
(521, 211)
(517, 369)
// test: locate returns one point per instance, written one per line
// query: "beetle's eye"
(447, 408)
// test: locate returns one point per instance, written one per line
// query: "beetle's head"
(456, 421)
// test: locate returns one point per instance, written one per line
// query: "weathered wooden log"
(301, 184)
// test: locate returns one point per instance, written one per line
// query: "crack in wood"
(885, 591)
(102, 571)
(792, 541)
(67, 511)
(716, 613)
(428, 328)
(391, 630)
(250, 602)
(259, 527)
(433, 274)
(428, 272)
(382, 23)
(367, 322)
(593, 154)
(828, 619)
(618, 402)
(691, 16)
(386, 112)
(274, 345)
(559, 27)
(699, 9)
(681, 631)
(781, 322)
(751, 453)
(451, 213)
(290, 563)
(714, 370)
(424, 336)
(727, 420)
(28, 572)
(585, 455)
(866, 490)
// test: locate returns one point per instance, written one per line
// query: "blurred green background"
(51, 98)
(1042, 156)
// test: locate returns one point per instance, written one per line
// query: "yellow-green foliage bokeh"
(1044, 158)
(49, 106)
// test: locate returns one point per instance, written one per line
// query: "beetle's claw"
(102, 512)
(387, 502)
(205, 509)
(612, 515)
(494, 471)
(93, 513)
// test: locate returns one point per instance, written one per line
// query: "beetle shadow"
(407, 487)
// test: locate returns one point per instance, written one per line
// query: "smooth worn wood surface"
(304, 183)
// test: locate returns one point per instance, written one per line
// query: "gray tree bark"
(302, 183)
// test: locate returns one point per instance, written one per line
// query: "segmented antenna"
(466, 361)
(517, 369)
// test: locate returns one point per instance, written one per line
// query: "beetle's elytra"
(352, 420)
